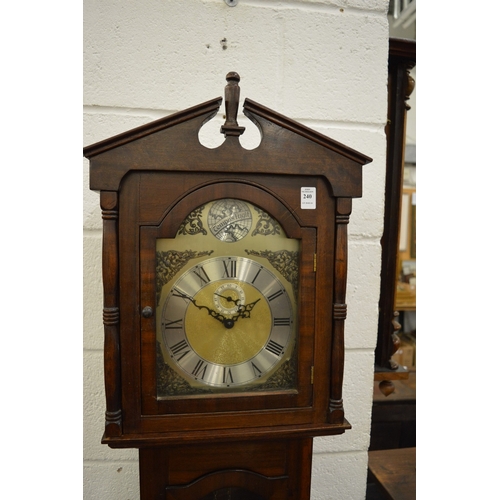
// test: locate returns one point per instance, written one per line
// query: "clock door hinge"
(312, 375)
(314, 263)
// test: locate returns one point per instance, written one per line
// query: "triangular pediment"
(172, 143)
(207, 110)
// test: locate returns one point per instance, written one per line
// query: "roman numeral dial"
(227, 322)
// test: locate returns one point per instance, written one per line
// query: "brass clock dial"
(227, 302)
(238, 345)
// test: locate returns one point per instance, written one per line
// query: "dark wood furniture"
(394, 416)
(394, 471)
(402, 58)
(214, 437)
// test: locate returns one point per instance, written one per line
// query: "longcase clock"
(224, 275)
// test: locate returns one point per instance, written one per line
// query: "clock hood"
(163, 144)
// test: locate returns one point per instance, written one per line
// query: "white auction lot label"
(308, 198)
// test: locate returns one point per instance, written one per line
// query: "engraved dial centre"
(228, 298)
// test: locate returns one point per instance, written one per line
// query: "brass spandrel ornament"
(169, 263)
(266, 225)
(193, 224)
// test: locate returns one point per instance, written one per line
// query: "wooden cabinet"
(275, 469)
(402, 57)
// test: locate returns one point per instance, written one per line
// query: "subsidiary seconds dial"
(227, 322)
(229, 298)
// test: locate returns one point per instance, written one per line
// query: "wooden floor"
(393, 472)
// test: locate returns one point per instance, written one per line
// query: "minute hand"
(211, 312)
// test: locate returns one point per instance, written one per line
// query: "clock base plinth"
(248, 470)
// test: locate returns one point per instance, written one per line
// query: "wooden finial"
(386, 387)
(232, 98)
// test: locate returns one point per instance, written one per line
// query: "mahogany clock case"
(150, 180)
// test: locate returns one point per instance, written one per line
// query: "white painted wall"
(321, 62)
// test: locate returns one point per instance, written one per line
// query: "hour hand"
(245, 310)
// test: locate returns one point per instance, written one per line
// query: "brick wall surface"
(320, 62)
